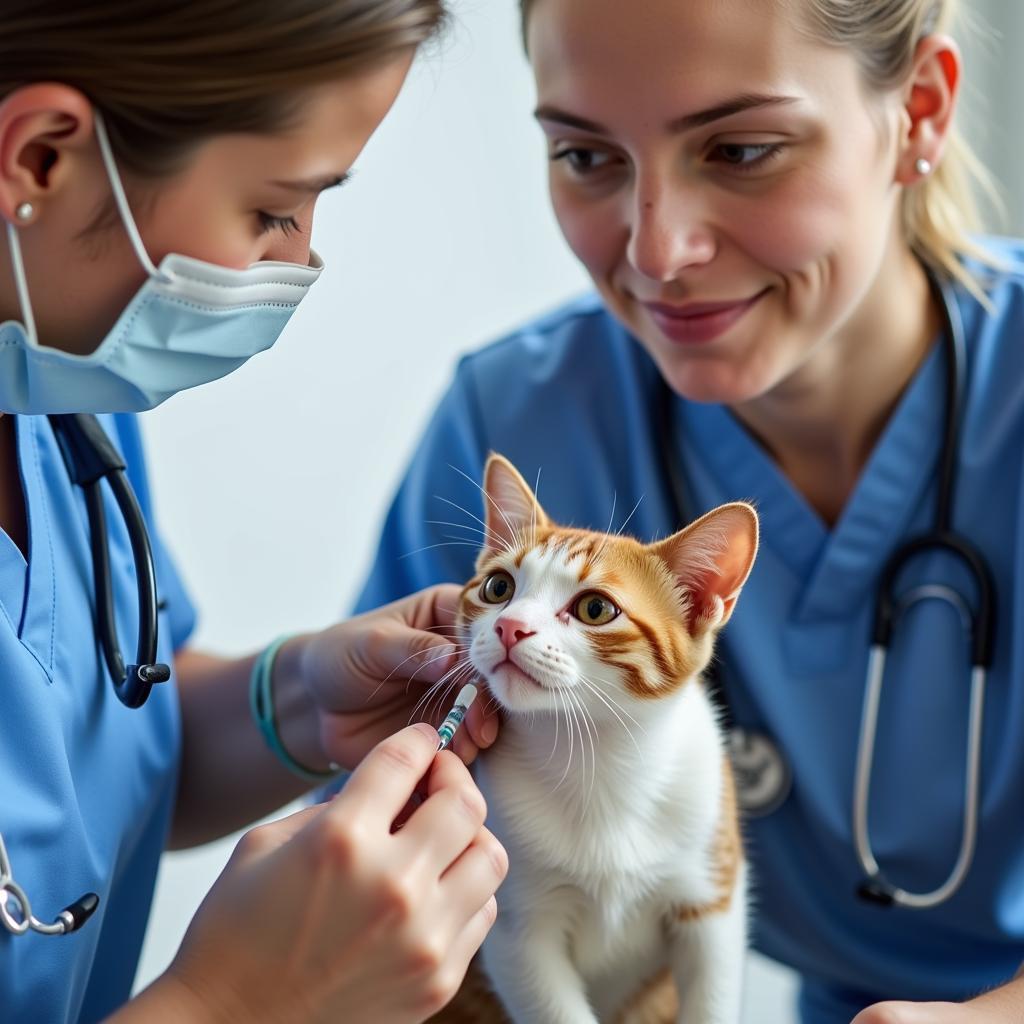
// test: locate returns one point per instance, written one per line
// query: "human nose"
(511, 631)
(669, 232)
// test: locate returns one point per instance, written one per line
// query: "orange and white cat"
(609, 786)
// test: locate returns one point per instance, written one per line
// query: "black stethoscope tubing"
(90, 459)
(981, 625)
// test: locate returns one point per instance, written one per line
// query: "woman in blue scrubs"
(159, 165)
(756, 191)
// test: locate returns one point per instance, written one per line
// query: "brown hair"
(168, 74)
(939, 213)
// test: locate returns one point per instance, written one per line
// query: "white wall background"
(271, 484)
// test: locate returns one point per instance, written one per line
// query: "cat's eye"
(497, 588)
(595, 609)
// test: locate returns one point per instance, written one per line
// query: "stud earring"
(24, 211)
(923, 166)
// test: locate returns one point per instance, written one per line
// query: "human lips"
(699, 322)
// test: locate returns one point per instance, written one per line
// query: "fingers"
(479, 870)
(482, 720)
(398, 651)
(443, 606)
(468, 941)
(385, 779)
(451, 815)
(427, 621)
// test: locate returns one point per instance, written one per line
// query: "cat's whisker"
(554, 745)
(457, 526)
(608, 530)
(605, 700)
(573, 708)
(438, 691)
(610, 702)
(569, 735)
(533, 512)
(454, 632)
(586, 719)
(412, 657)
(440, 544)
(488, 532)
(497, 508)
(618, 532)
(453, 673)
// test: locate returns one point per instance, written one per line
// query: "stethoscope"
(763, 776)
(90, 458)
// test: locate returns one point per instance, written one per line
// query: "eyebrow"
(315, 185)
(736, 105)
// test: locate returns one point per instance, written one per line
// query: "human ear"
(43, 128)
(929, 102)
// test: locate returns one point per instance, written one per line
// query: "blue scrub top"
(86, 785)
(571, 397)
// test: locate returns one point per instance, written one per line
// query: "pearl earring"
(24, 211)
(923, 166)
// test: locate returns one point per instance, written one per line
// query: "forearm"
(229, 777)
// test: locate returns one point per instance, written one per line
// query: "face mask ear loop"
(122, 200)
(21, 284)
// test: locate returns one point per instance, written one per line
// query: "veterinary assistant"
(797, 651)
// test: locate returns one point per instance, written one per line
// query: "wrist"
(296, 713)
(286, 713)
(168, 1000)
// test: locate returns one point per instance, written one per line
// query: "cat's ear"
(712, 559)
(511, 511)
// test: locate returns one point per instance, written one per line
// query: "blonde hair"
(939, 213)
(168, 74)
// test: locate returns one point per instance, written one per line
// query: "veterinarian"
(159, 166)
(791, 307)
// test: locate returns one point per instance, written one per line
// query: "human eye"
(269, 222)
(583, 160)
(745, 156)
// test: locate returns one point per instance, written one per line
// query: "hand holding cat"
(369, 676)
(342, 917)
(1003, 1005)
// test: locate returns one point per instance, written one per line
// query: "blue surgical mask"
(190, 323)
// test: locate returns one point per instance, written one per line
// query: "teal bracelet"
(261, 703)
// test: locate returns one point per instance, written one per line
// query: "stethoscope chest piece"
(763, 776)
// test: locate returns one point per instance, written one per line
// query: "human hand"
(331, 914)
(930, 1013)
(377, 672)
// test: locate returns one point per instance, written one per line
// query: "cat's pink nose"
(511, 631)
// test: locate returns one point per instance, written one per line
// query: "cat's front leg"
(708, 953)
(529, 966)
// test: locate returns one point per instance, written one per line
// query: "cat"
(609, 786)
